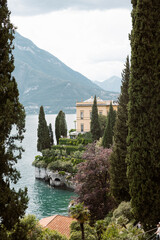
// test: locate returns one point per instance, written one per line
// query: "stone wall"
(55, 179)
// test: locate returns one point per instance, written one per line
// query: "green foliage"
(76, 161)
(78, 154)
(72, 130)
(124, 210)
(143, 160)
(100, 227)
(118, 166)
(95, 126)
(81, 214)
(116, 231)
(50, 156)
(102, 121)
(29, 229)
(62, 166)
(60, 126)
(76, 234)
(74, 142)
(66, 141)
(107, 140)
(57, 129)
(121, 225)
(51, 134)
(41, 164)
(62, 173)
(12, 128)
(69, 149)
(86, 136)
(44, 139)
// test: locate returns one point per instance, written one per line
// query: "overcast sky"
(90, 36)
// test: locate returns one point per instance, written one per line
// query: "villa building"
(84, 112)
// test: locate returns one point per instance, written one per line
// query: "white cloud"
(35, 7)
(95, 43)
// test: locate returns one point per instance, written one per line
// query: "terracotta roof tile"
(59, 223)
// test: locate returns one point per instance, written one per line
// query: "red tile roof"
(59, 223)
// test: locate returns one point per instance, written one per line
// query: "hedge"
(74, 142)
(68, 149)
(62, 166)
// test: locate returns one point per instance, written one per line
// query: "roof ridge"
(54, 216)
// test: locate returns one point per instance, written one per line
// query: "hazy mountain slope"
(111, 84)
(44, 80)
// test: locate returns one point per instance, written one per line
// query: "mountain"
(112, 84)
(44, 80)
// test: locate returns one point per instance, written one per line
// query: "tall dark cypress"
(12, 117)
(144, 112)
(43, 141)
(57, 129)
(118, 166)
(60, 126)
(51, 134)
(95, 126)
(107, 140)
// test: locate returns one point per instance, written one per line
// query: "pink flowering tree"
(93, 185)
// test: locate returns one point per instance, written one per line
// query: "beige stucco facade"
(84, 110)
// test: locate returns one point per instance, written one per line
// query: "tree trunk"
(82, 230)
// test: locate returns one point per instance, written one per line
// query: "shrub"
(72, 130)
(66, 141)
(124, 209)
(57, 152)
(115, 231)
(29, 229)
(62, 166)
(62, 173)
(78, 154)
(76, 234)
(86, 136)
(76, 161)
(74, 142)
(41, 164)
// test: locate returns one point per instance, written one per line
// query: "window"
(81, 115)
(100, 112)
(82, 127)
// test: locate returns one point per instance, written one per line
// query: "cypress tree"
(102, 122)
(112, 115)
(57, 129)
(51, 134)
(12, 126)
(43, 141)
(95, 126)
(107, 140)
(118, 166)
(144, 112)
(60, 126)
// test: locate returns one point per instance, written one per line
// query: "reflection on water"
(47, 201)
(44, 200)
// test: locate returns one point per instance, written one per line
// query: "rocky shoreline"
(55, 178)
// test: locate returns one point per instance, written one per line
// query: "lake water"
(44, 200)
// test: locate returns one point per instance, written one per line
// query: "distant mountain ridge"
(44, 80)
(111, 84)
